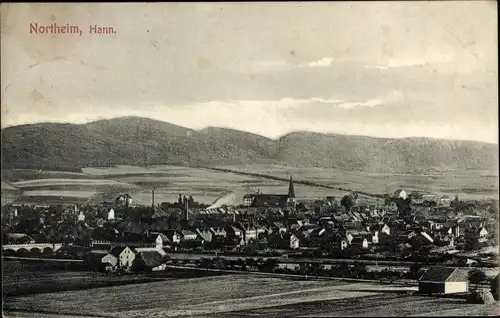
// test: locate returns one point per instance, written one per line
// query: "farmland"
(207, 185)
(478, 184)
(237, 295)
(21, 278)
(25, 278)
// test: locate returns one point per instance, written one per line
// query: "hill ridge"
(144, 141)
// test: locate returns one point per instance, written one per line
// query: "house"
(101, 260)
(374, 213)
(151, 249)
(149, 260)
(345, 217)
(111, 214)
(275, 200)
(400, 193)
(352, 228)
(173, 236)
(218, 232)
(235, 232)
(343, 244)
(294, 241)
(416, 197)
(349, 237)
(443, 280)
(81, 217)
(427, 237)
(161, 240)
(270, 200)
(445, 200)
(386, 229)
(338, 219)
(454, 230)
(356, 216)
(429, 197)
(205, 235)
(254, 233)
(483, 235)
(187, 235)
(248, 199)
(125, 255)
(359, 242)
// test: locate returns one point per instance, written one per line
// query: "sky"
(384, 69)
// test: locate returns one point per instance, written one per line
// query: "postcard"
(233, 159)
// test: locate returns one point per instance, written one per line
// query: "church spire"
(291, 191)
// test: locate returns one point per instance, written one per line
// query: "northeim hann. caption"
(55, 28)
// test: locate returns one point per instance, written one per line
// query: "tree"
(403, 205)
(347, 202)
(471, 242)
(476, 276)
(480, 297)
(191, 201)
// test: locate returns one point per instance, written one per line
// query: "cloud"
(273, 66)
(368, 103)
(389, 98)
(430, 56)
(326, 61)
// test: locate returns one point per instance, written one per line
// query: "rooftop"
(438, 274)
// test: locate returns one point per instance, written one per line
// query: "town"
(402, 236)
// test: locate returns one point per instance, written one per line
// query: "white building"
(111, 214)
(443, 280)
(386, 229)
(248, 199)
(126, 258)
(81, 217)
(294, 242)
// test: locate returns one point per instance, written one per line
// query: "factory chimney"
(153, 200)
(186, 209)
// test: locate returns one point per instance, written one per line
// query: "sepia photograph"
(264, 159)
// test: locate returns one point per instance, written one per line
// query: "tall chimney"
(153, 200)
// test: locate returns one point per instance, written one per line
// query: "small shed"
(443, 280)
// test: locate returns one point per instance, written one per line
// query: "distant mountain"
(385, 155)
(142, 141)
